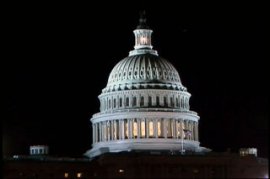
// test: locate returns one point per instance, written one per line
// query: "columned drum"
(144, 105)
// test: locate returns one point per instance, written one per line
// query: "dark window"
(149, 101)
(157, 100)
(134, 101)
(172, 102)
(120, 102)
(127, 101)
(165, 101)
(114, 103)
(142, 101)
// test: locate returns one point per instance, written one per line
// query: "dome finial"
(142, 38)
(142, 21)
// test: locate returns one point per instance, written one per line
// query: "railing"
(145, 110)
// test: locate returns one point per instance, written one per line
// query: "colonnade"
(122, 129)
(119, 101)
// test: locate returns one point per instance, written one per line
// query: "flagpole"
(182, 152)
(186, 132)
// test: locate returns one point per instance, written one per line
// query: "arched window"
(114, 103)
(134, 102)
(172, 103)
(142, 101)
(149, 101)
(165, 101)
(157, 100)
(176, 102)
(120, 102)
(127, 102)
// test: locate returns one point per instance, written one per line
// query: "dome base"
(145, 144)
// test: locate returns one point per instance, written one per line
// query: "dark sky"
(60, 57)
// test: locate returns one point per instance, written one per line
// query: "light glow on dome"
(144, 105)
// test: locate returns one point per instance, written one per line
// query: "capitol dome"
(144, 106)
(143, 70)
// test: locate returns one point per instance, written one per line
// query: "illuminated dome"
(144, 105)
(139, 71)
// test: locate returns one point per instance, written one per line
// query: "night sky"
(60, 57)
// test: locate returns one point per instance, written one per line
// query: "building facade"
(138, 165)
(145, 129)
(144, 105)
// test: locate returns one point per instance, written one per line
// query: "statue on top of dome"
(142, 21)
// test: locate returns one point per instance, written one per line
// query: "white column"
(130, 100)
(104, 131)
(197, 132)
(94, 133)
(191, 128)
(118, 102)
(175, 129)
(154, 98)
(161, 100)
(96, 126)
(123, 129)
(107, 124)
(112, 129)
(139, 128)
(129, 128)
(120, 129)
(178, 124)
(138, 100)
(155, 128)
(165, 128)
(101, 132)
(147, 129)
(185, 127)
(146, 100)
(111, 102)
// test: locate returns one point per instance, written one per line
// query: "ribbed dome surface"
(145, 68)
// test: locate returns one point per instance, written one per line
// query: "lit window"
(121, 171)
(159, 128)
(151, 129)
(142, 128)
(126, 129)
(79, 175)
(143, 40)
(135, 129)
(66, 175)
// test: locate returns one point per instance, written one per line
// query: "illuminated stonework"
(144, 105)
